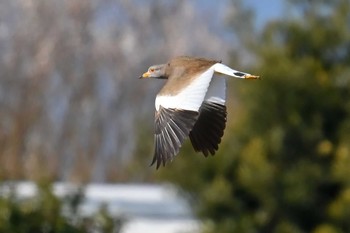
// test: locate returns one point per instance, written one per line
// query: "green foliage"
(47, 213)
(283, 165)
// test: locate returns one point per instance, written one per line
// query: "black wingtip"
(238, 74)
(153, 162)
(157, 162)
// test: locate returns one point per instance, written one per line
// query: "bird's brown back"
(181, 71)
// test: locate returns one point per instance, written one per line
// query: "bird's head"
(156, 71)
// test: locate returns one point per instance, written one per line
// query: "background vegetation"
(70, 98)
(72, 109)
(284, 162)
(44, 212)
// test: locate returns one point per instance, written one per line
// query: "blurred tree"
(283, 165)
(69, 93)
(47, 213)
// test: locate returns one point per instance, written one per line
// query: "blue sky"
(265, 10)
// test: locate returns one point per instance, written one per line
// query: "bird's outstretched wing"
(172, 127)
(220, 68)
(209, 128)
(198, 111)
(189, 97)
(176, 115)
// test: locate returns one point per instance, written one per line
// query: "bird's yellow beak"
(146, 75)
(250, 76)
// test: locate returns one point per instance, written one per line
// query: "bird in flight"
(192, 103)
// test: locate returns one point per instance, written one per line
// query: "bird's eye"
(151, 70)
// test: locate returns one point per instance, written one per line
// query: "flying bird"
(192, 103)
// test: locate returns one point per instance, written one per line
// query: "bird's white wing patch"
(217, 91)
(223, 69)
(191, 97)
